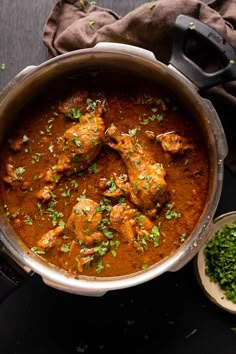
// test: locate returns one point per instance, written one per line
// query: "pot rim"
(99, 285)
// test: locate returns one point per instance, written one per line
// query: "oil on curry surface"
(104, 176)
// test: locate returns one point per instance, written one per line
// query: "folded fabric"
(77, 24)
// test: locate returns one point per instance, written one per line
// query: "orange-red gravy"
(129, 105)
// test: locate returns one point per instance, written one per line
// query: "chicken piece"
(84, 221)
(8, 180)
(81, 144)
(82, 261)
(109, 188)
(144, 225)
(122, 220)
(10, 168)
(45, 194)
(78, 257)
(174, 143)
(171, 142)
(128, 222)
(146, 185)
(16, 145)
(52, 177)
(50, 239)
(79, 102)
(75, 101)
(14, 175)
(10, 177)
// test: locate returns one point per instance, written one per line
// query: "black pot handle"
(185, 27)
(11, 275)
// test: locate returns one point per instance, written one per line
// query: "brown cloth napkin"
(77, 24)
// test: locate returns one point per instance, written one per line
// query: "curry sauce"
(105, 175)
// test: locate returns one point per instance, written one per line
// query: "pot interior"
(93, 61)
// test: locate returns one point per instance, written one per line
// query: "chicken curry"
(103, 178)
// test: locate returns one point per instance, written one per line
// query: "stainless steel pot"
(109, 56)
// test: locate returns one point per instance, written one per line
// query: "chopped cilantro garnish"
(74, 184)
(65, 247)
(77, 142)
(103, 228)
(104, 205)
(76, 211)
(86, 230)
(155, 235)
(18, 171)
(61, 223)
(132, 132)
(40, 207)
(121, 200)
(95, 142)
(106, 232)
(99, 266)
(36, 157)
(37, 250)
(141, 176)
(91, 23)
(28, 220)
(76, 113)
(191, 333)
(185, 162)
(191, 26)
(159, 101)
(91, 105)
(82, 196)
(170, 213)
(111, 184)
(113, 252)
(25, 138)
(139, 217)
(220, 256)
(135, 187)
(183, 237)
(101, 249)
(93, 168)
(115, 243)
(54, 215)
(50, 148)
(75, 158)
(66, 193)
(82, 348)
(158, 117)
(86, 209)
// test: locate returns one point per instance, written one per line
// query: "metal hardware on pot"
(182, 77)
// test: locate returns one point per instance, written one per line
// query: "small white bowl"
(211, 289)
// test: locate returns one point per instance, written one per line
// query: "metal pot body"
(131, 60)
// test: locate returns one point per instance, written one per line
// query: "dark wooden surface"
(167, 315)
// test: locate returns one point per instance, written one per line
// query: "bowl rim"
(212, 290)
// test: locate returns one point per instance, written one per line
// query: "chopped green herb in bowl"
(216, 263)
(220, 255)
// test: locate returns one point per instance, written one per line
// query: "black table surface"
(169, 314)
